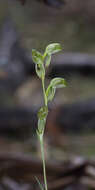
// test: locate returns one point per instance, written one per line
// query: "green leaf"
(50, 92)
(41, 126)
(40, 70)
(55, 83)
(47, 60)
(42, 113)
(58, 82)
(53, 48)
(37, 57)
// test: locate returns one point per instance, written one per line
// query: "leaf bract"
(53, 48)
(55, 83)
(37, 57)
(41, 125)
(40, 70)
(42, 113)
(58, 82)
(47, 60)
(50, 92)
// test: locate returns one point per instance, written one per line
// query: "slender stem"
(41, 139)
(45, 98)
(43, 160)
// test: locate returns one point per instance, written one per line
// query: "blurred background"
(70, 131)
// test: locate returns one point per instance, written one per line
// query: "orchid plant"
(42, 61)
